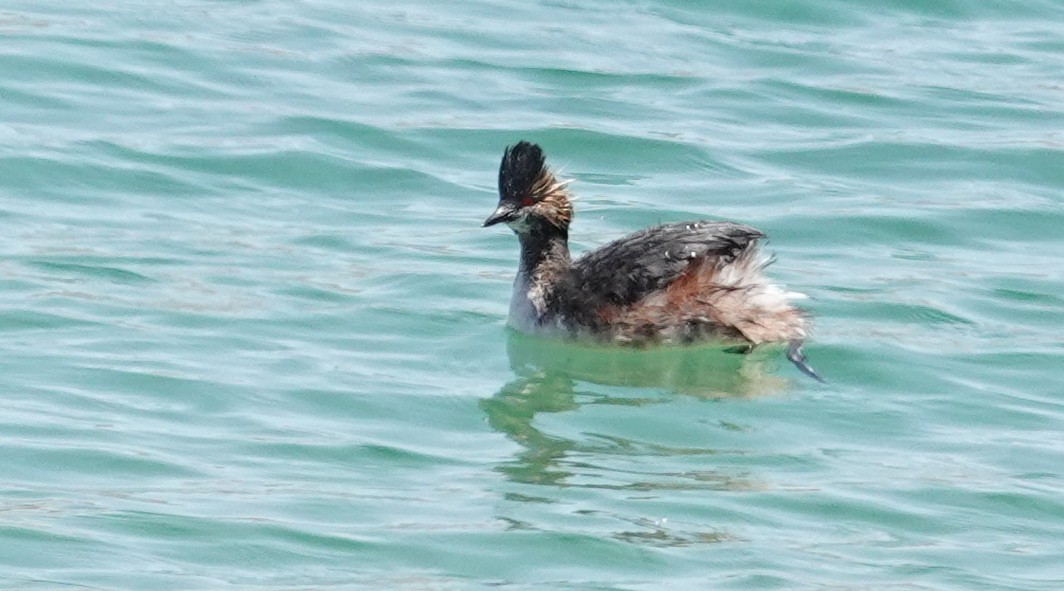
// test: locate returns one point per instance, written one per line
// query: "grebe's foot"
(795, 355)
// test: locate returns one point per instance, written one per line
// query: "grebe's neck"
(544, 248)
(544, 261)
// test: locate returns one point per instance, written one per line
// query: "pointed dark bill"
(504, 213)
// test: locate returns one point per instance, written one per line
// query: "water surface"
(253, 336)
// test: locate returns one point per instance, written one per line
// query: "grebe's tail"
(795, 355)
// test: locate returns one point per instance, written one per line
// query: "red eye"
(527, 201)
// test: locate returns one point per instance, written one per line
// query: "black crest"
(522, 167)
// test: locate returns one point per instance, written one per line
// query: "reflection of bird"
(703, 372)
(558, 377)
(670, 284)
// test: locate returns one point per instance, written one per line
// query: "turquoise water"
(253, 335)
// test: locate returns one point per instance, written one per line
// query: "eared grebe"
(670, 284)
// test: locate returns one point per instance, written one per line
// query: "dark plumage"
(674, 283)
(522, 166)
(628, 269)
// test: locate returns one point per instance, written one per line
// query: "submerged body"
(670, 284)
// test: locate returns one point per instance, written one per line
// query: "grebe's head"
(530, 197)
